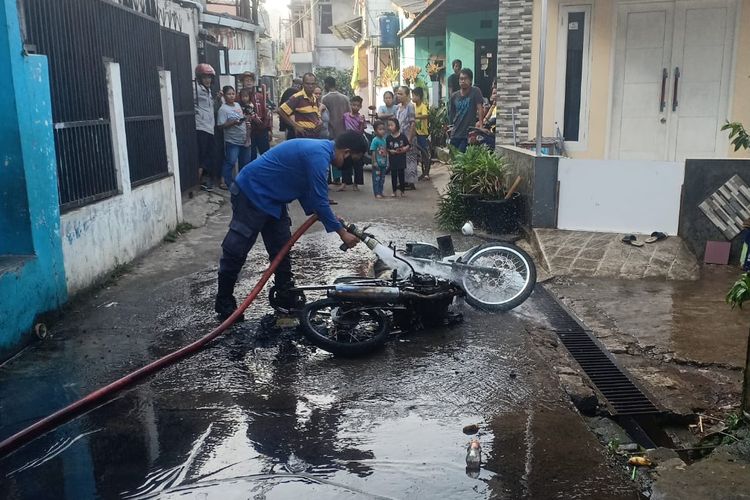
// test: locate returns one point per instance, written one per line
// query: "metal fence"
(135, 41)
(175, 49)
(80, 109)
(79, 37)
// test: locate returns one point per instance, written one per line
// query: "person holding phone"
(232, 120)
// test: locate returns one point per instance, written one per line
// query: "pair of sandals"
(630, 239)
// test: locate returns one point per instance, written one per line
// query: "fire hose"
(67, 413)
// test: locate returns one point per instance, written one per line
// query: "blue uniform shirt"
(293, 170)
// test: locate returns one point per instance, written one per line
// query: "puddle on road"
(688, 318)
(261, 414)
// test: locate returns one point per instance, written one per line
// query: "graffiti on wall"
(161, 10)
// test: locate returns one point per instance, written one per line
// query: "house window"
(326, 17)
(298, 23)
(573, 73)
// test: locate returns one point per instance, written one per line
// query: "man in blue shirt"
(293, 170)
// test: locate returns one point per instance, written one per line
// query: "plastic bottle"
(473, 455)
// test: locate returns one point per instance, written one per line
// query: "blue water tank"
(389, 30)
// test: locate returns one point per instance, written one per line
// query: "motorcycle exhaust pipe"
(382, 293)
(365, 293)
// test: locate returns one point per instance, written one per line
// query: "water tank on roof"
(389, 30)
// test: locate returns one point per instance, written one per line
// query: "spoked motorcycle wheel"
(504, 277)
(344, 329)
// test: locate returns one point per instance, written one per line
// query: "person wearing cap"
(259, 207)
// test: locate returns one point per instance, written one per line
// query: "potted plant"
(434, 67)
(438, 122)
(476, 191)
(388, 77)
(410, 74)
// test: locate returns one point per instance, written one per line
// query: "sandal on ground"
(656, 236)
(631, 240)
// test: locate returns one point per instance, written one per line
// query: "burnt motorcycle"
(417, 289)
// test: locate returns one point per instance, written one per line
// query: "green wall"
(463, 29)
(425, 46)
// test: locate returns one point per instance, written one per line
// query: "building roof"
(229, 21)
(432, 20)
(412, 6)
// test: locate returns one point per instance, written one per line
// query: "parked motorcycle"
(358, 314)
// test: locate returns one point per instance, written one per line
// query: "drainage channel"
(626, 402)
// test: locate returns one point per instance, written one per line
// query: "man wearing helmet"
(205, 122)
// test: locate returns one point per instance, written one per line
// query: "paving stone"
(561, 264)
(599, 243)
(636, 265)
(658, 267)
(592, 253)
(579, 242)
(586, 253)
(586, 265)
(568, 252)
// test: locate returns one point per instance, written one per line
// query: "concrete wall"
(703, 178)
(333, 58)
(538, 186)
(426, 46)
(604, 20)
(461, 32)
(34, 282)
(98, 237)
(619, 196)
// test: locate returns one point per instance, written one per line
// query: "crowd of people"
(399, 136)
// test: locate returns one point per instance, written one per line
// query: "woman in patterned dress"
(406, 116)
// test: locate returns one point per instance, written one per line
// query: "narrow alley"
(261, 414)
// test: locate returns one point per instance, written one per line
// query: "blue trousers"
(248, 221)
(232, 154)
(460, 143)
(259, 144)
(378, 179)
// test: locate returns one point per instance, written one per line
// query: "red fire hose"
(63, 415)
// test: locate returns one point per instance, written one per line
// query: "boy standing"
(379, 151)
(422, 131)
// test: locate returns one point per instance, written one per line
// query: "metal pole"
(540, 79)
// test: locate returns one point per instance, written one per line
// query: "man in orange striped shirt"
(301, 112)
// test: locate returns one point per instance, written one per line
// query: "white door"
(701, 69)
(671, 79)
(643, 54)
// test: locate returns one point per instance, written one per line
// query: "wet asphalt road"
(262, 415)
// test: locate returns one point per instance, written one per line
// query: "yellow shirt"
(422, 124)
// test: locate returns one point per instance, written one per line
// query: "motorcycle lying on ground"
(417, 289)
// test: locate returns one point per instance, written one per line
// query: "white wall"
(98, 237)
(334, 58)
(619, 196)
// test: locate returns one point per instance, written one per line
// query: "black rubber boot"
(225, 302)
(283, 299)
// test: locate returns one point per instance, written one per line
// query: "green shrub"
(343, 79)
